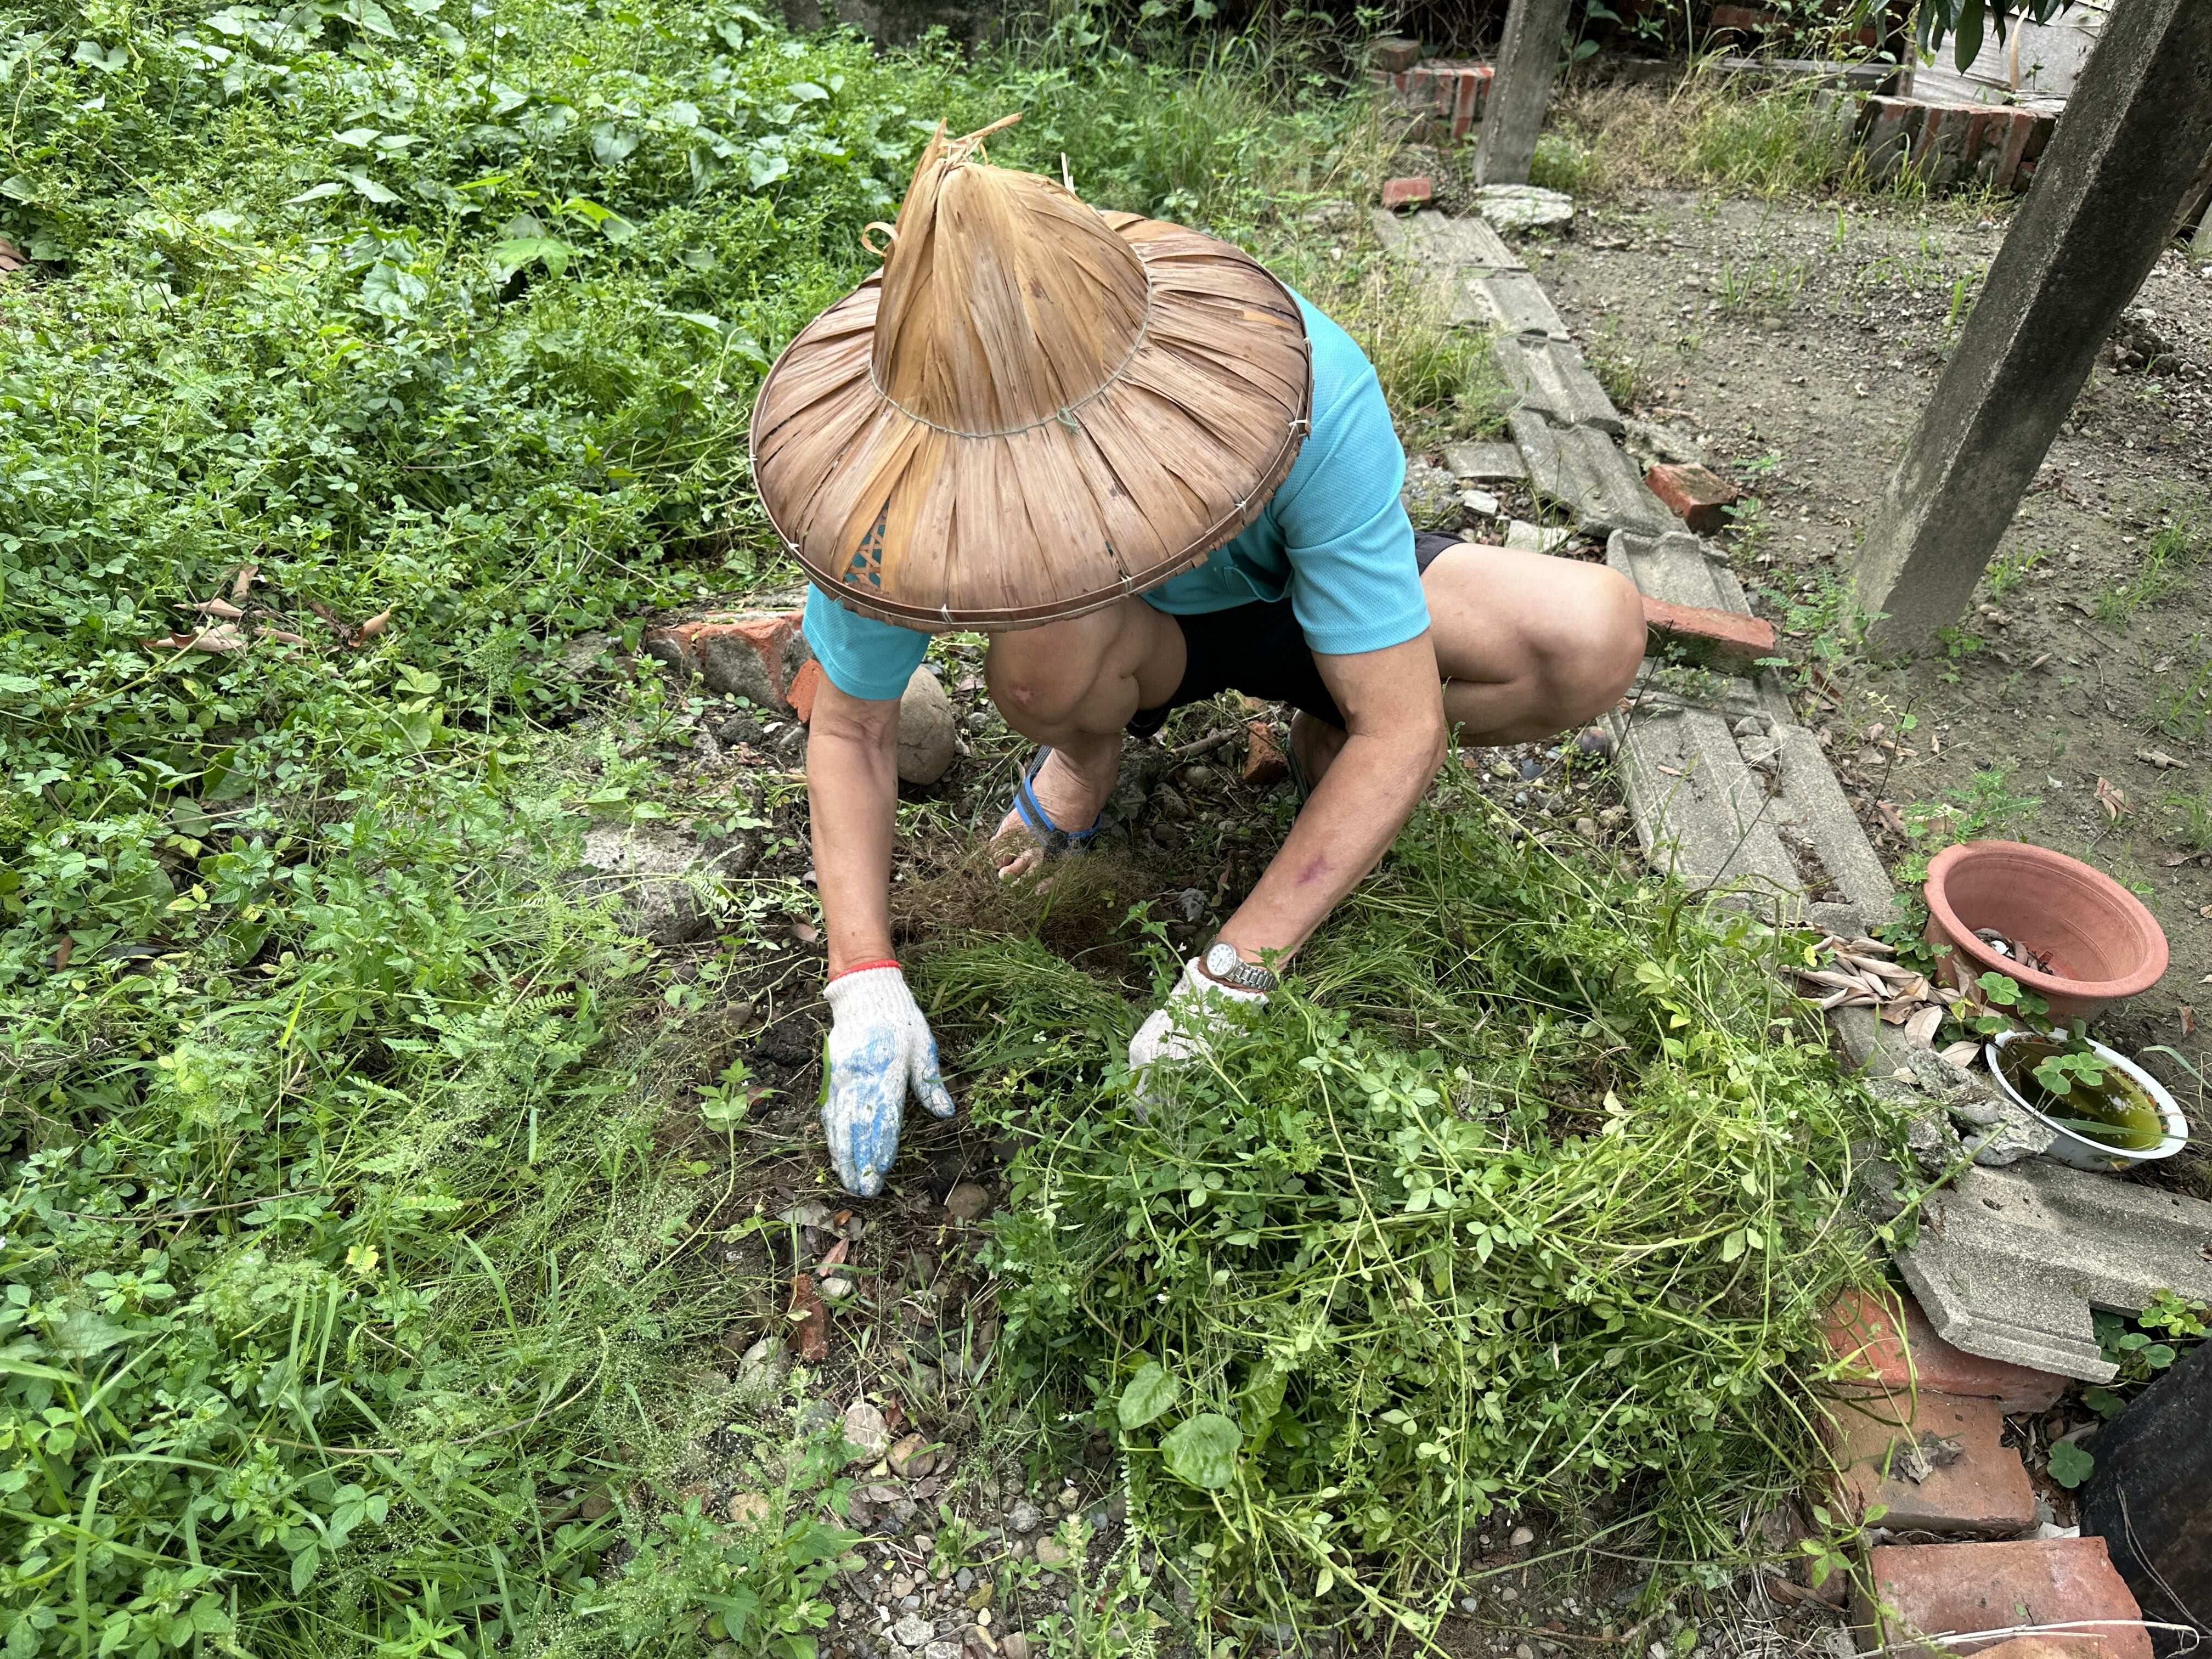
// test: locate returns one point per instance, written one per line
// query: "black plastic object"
(2149, 1498)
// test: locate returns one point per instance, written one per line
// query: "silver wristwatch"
(1222, 963)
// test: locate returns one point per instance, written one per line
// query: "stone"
(1443, 244)
(913, 1630)
(1673, 566)
(1485, 463)
(1883, 1338)
(928, 739)
(1408, 192)
(1265, 764)
(1022, 1518)
(1700, 497)
(1550, 377)
(1937, 1462)
(1582, 469)
(1525, 538)
(1052, 1554)
(1430, 494)
(736, 729)
(946, 1648)
(2137, 127)
(1014, 1645)
(866, 1430)
(1521, 1538)
(1480, 502)
(2146, 1497)
(1393, 53)
(2008, 1262)
(1524, 207)
(968, 1202)
(1332, 215)
(1528, 58)
(749, 654)
(911, 1457)
(2017, 1135)
(1721, 640)
(666, 881)
(1934, 1144)
(1913, 1591)
(749, 1509)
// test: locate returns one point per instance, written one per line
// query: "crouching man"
(1151, 473)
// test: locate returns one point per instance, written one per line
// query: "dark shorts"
(1258, 649)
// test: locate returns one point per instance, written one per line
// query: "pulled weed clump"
(1527, 1190)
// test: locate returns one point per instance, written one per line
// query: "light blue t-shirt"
(1334, 537)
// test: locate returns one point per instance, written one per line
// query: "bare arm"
(852, 787)
(1393, 708)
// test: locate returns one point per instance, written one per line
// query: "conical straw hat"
(1032, 411)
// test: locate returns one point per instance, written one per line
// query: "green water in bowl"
(2118, 1113)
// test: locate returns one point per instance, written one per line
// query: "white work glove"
(1181, 1028)
(880, 1047)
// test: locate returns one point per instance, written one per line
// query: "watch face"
(1221, 960)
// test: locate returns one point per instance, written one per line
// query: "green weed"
(1478, 1216)
(2007, 570)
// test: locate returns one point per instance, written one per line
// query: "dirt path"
(1797, 345)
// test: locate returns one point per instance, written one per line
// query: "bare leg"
(1074, 685)
(1528, 645)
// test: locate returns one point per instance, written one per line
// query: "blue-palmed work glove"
(880, 1047)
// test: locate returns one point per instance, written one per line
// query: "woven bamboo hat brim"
(1034, 409)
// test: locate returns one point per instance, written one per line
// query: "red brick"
(1265, 764)
(1887, 1340)
(805, 684)
(751, 655)
(1725, 639)
(1977, 1484)
(1699, 498)
(1393, 53)
(1406, 192)
(1921, 1590)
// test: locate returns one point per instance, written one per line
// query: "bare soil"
(1798, 345)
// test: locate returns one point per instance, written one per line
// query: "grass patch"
(1485, 1212)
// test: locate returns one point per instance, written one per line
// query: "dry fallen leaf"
(1920, 1030)
(1900, 1011)
(2160, 759)
(220, 639)
(222, 608)
(1962, 1053)
(374, 625)
(64, 951)
(810, 1321)
(833, 1257)
(247, 577)
(2112, 800)
(2188, 1020)
(280, 635)
(805, 932)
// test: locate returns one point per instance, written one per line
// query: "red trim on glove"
(861, 968)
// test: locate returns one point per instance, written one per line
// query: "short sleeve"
(1354, 584)
(863, 656)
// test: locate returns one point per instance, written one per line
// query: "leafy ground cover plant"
(1528, 1190)
(349, 1265)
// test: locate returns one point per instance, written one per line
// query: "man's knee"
(1041, 677)
(1591, 644)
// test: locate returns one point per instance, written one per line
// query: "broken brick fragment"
(1265, 764)
(1723, 640)
(1934, 1462)
(1394, 54)
(806, 686)
(1886, 1340)
(753, 655)
(1913, 1591)
(1700, 497)
(1406, 192)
